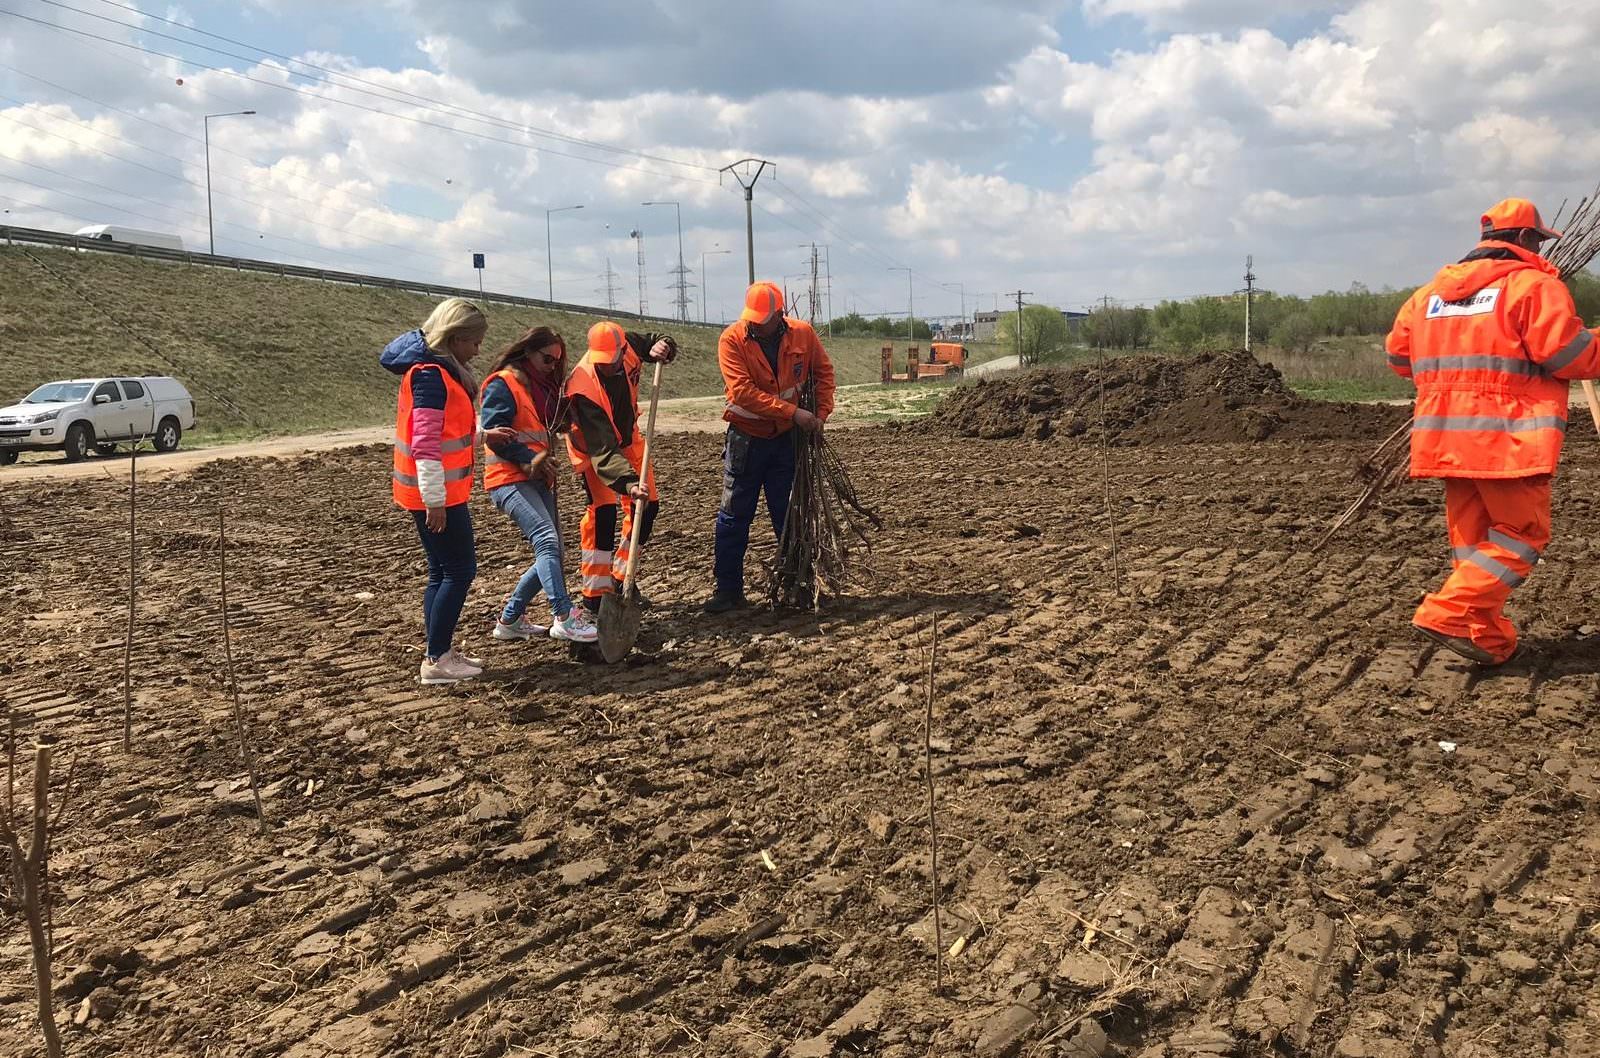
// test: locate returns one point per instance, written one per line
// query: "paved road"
(679, 415)
(994, 367)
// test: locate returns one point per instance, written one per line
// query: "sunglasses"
(548, 357)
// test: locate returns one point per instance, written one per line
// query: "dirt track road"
(51, 467)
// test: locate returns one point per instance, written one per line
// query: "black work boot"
(725, 601)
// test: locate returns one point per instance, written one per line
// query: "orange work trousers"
(1498, 530)
(605, 532)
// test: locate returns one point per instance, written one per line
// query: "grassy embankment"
(296, 356)
(1336, 369)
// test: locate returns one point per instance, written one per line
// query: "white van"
(117, 233)
(79, 413)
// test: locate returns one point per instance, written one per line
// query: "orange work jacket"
(531, 431)
(762, 403)
(455, 443)
(584, 382)
(1491, 343)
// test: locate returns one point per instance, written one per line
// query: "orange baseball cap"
(761, 302)
(1512, 214)
(606, 341)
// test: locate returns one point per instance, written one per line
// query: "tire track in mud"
(1210, 815)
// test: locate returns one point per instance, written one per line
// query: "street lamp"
(704, 295)
(683, 290)
(911, 333)
(962, 287)
(206, 123)
(549, 269)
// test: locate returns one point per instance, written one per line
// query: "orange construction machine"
(945, 360)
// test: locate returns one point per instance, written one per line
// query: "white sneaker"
(522, 628)
(576, 627)
(447, 669)
(466, 661)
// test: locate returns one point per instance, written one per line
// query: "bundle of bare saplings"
(827, 522)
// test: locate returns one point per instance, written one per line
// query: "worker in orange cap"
(766, 358)
(1491, 343)
(605, 446)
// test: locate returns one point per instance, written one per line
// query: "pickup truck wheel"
(7, 458)
(80, 435)
(167, 435)
(105, 448)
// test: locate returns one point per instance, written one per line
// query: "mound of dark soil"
(1151, 399)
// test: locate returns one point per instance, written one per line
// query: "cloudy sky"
(1136, 149)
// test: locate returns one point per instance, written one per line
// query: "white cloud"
(973, 151)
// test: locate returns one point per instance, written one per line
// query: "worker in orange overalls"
(766, 360)
(607, 449)
(1491, 343)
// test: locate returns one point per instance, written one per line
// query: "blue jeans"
(532, 506)
(452, 563)
(750, 466)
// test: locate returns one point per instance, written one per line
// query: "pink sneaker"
(447, 669)
(576, 627)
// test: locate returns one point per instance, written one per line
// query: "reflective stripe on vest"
(1570, 352)
(1506, 365)
(447, 446)
(1467, 423)
(787, 394)
(453, 474)
(528, 437)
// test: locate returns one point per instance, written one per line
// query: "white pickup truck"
(99, 413)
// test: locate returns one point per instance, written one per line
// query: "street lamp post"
(206, 123)
(549, 268)
(683, 290)
(704, 295)
(911, 301)
(962, 287)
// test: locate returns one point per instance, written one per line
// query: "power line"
(426, 102)
(396, 92)
(343, 191)
(341, 102)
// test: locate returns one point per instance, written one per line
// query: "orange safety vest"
(455, 443)
(585, 382)
(745, 368)
(1491, 344)
(530, 429)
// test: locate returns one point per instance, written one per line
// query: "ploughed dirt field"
(1236, 809)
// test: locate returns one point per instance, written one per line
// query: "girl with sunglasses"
(523, 391)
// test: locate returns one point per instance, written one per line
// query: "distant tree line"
(1280, 320)
(855, 325)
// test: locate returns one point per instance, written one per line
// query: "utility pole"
(644, 303)
(1019, 295)
(749, 202)
(911, 302)
(827, 258)
(1249, 296)
(815, 299)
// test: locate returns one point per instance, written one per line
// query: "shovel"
(619, 611)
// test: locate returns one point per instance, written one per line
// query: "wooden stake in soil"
(1105, 474)
(233, 679)
(933, 823)
(133, 596)
(28, 873)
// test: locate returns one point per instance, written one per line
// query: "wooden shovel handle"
(644, 479)
(1594, 403)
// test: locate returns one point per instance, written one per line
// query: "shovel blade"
(619, 627)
